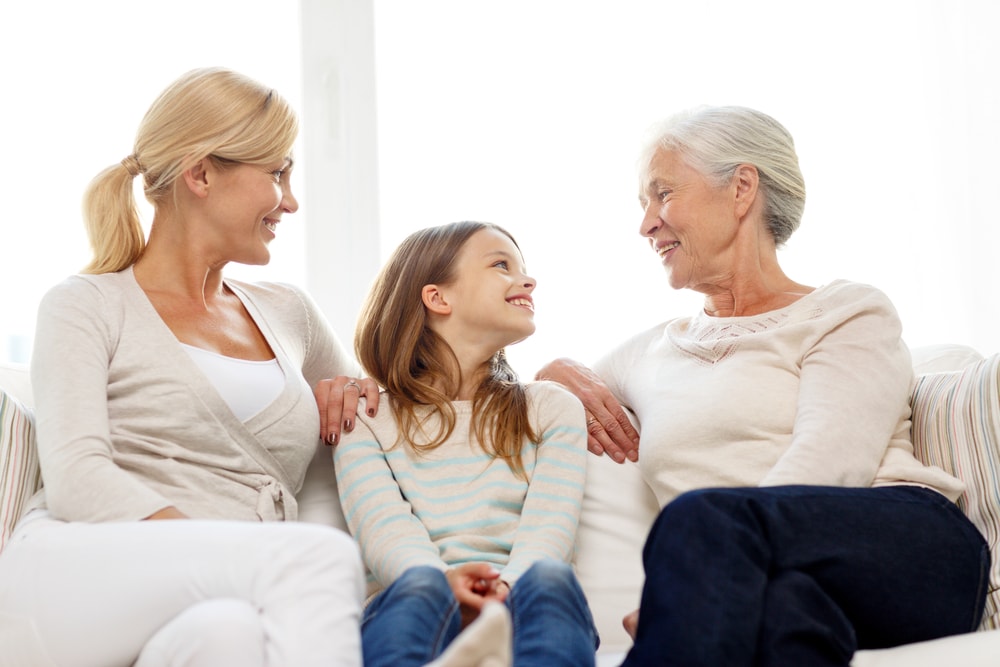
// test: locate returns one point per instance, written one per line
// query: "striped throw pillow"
(956, 426)
(20, 476)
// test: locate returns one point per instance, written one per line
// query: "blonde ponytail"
(112, 219)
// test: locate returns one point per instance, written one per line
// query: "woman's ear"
(746, 179)
(196, 177)
(435, 300)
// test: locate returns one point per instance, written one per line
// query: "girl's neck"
(470, 381)
(466, 375)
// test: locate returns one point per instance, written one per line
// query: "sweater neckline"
(777, 314)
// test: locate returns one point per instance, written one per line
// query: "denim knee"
(423, 581)
(550, 575)
(702, 507)
(422, 588)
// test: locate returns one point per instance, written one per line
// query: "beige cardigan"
(127, 424)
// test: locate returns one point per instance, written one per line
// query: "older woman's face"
(689, 221)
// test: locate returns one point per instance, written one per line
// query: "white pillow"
(943, 357)
(618, 511)
(956, 426)
(20, 475)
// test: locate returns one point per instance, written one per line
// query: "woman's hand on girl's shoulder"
(337, 400)
(609, 430)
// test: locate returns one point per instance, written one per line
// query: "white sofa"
(618, 510)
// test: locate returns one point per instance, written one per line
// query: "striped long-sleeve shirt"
(457, 504)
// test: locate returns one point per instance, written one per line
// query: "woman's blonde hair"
(716, 140)
(209, 112)
(417, 368)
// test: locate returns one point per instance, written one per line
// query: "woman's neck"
(753, 286)
(157, 271)
(740, 300)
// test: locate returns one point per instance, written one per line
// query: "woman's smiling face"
(251, 200)
(689, 221)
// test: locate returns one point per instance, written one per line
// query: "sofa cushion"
(618, 510)
(956, 426)
(20, 476)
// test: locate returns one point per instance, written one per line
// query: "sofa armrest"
(16, 381)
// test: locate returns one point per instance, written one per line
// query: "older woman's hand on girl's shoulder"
(608, 427)
(337, 400)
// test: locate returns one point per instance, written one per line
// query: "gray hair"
(716, 140)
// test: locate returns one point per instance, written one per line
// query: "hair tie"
(131, 164)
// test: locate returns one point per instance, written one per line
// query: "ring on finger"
(352, 383)
(591, 421)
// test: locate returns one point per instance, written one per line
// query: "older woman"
(797, 526)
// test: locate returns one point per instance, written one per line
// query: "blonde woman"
(176, 419)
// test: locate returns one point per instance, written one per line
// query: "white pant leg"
(214, 633)
(92, 595)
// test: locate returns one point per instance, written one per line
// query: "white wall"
(75, 80)
(528, 113)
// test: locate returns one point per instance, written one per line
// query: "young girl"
(467, 489)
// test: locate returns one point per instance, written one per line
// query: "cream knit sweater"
(814, 393)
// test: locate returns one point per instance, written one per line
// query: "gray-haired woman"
(797, 526)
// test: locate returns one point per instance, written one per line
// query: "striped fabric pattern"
(456, 503)
(956, 426)
(20, 475)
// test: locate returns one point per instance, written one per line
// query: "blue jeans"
(412, 621)
(805, 575)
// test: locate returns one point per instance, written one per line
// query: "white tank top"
(246, 386)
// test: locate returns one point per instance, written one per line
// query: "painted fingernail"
(371, 412)
(347, 424)
(332, 439)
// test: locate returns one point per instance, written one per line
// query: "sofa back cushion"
(956, 426)
(20, 476)
(618, 509)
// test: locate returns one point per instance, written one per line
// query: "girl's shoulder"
(548, 400)
(547, 390)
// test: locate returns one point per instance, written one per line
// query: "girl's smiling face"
(490, 294)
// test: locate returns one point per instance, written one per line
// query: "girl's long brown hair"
(417, 367)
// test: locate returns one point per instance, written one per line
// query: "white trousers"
(179, 593)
